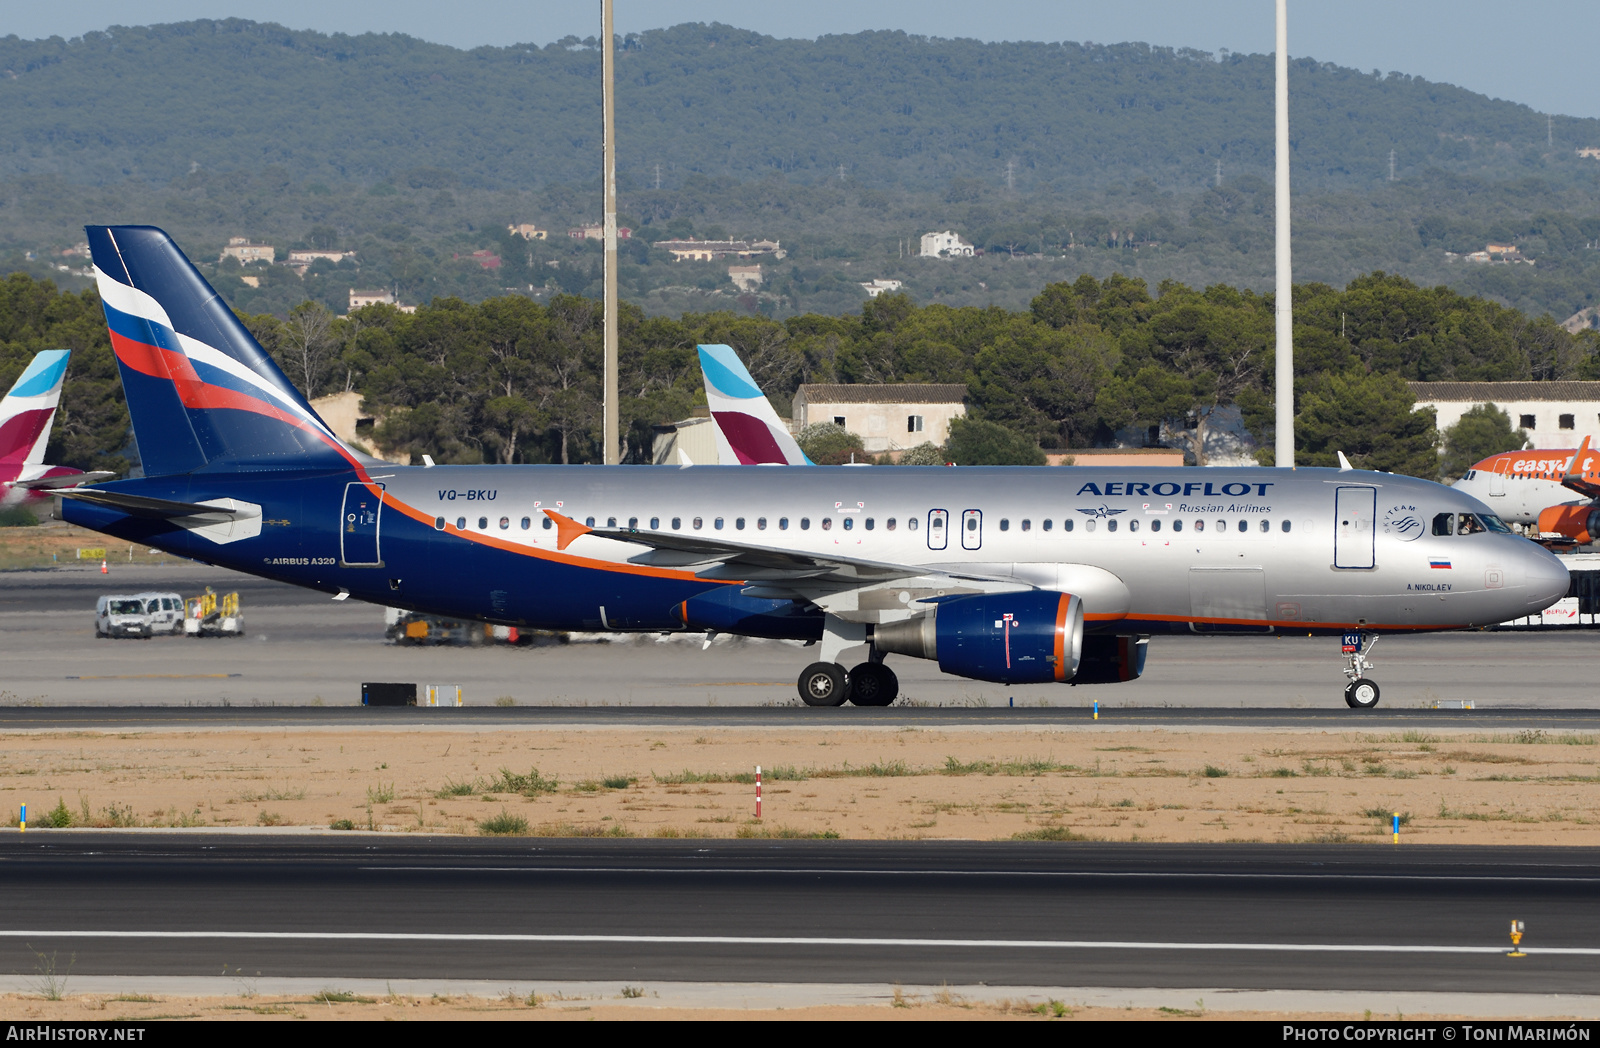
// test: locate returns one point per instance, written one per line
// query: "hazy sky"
(1538, 52)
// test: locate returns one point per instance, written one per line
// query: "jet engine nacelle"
(1580, 523)
(1111, 660)
(1032, 637)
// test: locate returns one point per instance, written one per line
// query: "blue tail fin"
(201, 391)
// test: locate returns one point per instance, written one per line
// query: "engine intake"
(1580, 523)
(1032, 637)
(1111, 660)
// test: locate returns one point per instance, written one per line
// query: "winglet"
(1574, 479)
(1344, 463)
(567, 529)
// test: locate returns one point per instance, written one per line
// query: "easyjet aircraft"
(1015, 575)
(25, 416)
(1555, 489)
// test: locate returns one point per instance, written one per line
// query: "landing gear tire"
(824, 684)
(873, 684)
(1361, 694)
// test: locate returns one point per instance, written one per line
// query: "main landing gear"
(1361, 693)
(869, 684)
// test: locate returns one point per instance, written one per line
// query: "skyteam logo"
(1402, 522)
(1101, 511)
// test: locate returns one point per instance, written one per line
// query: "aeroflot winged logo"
(1101, 511)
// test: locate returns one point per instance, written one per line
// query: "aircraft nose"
(1547, 577)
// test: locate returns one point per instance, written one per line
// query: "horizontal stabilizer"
(65, 481)
(144, 505)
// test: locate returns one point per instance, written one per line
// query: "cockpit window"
(1468, 524)
(1493, 523)
(1444, 524)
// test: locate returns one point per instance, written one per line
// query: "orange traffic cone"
(103, 569)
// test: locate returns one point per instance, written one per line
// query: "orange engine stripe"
(1061, 637)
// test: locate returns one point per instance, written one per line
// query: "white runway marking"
(795, 940)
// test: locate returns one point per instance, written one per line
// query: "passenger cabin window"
(1155, 525)
(738, 524)
(1066, 525)
(761, 523)
(1244, 526)
(849, 522)
(611, 522)
(655, 523)
(889, 524)
(1444, 523)
(827, 523)
(633, 523)
(505, 522)
(1177, 525)
(1111, 525)
(588, 522)
(783, 523)
(461, 523)
(677, 523)
(1005, 524)
(805, 523)
(715, 524)
(1047, 523)
(698, 523)
(1266, 526)
(1284, 527)
(1199, 525)
(869, 523)
(913, 523)
(526, 523)
(1133, 525)
(1088, 525)
(483, 523)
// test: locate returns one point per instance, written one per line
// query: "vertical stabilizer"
(30, 407)
(201, 391)
(749, 431)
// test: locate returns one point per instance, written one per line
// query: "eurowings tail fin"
(30, 407)
(201, 391)
(749, 431)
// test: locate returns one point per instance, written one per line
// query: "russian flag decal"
(1435, 562)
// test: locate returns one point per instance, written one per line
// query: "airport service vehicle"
(1557, 490)
(210, 615)
(138, 615)
(25, 416)
(1014, 575)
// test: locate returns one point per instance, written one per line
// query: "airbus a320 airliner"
(1013, 575)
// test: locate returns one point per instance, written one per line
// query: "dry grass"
(1062, 784)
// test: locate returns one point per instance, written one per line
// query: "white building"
(247, 251)
(1551, 414)
(745, 278)
(890, 417)
(945, 245)
(874, 288)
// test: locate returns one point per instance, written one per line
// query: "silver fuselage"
(1147, 549)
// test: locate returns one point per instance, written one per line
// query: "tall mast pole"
(612, 437)
(1284, 378)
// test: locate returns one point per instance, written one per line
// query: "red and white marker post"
(758, 791)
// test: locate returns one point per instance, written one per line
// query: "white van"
(138, 615)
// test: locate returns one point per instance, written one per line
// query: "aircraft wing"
(801, 572)
(143, 505)
(1575, 479)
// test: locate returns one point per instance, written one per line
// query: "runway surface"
(624, 718)
(303, 648)
(360, 906)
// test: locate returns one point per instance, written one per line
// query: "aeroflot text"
(1128, 487)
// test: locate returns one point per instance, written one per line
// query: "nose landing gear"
(1361, 693)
